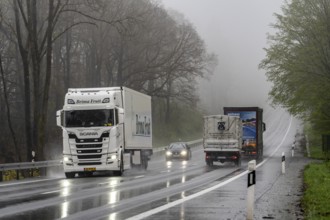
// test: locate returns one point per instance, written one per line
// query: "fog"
(236, 31)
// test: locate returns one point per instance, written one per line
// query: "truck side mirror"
(59, 118)
(263, 126)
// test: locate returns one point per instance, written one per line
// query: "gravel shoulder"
(282, 200)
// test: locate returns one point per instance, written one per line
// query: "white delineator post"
(250, 194)
(283, 163)
(292, 150)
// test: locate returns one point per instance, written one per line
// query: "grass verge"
(316, 197)
(315, 201)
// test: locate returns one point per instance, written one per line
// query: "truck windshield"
(89, 118)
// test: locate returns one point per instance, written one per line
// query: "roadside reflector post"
(251, 184)
(283, 163)
(292, 150)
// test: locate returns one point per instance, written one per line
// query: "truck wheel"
(121, 167)
(144, 164)
(209, 163)
(238, 162)
(70, 175)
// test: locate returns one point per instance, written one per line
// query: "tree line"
(49, 46)
(297, 61)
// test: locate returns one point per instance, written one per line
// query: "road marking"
(20, 183)
(271, 155)
(55, 191)
(180, 201)
(165, 171)
(136, 177)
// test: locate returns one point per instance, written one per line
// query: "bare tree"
(61, 44)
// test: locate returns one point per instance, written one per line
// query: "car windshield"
(176, 146)
(89, 118)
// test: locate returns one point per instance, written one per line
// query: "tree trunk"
(27, 99)
(168, 103)
(67, 68)
(43, 117)
(120, 77)
(18, 157)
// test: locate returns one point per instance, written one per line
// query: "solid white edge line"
(179, 201)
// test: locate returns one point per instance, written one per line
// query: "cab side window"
(116, 116)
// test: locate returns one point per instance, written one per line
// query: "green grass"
(316, 199)
(317, 153)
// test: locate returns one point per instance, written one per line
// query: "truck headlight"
(168, 153)
(67, 160)
(112, 157)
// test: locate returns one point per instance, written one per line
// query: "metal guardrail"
(195, 143)
(29, 165)
(52, 163)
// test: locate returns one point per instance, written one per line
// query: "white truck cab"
(105, 129)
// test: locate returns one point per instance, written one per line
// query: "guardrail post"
(33, 159)
(251, 184)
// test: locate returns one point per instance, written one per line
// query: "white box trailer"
(222, 139)
(105, 129)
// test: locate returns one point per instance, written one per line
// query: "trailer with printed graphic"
(253, 128)
(105, 129)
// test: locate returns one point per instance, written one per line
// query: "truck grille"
(89, 146)
(89, 149)
(89, 163)
(89, 156)
(88, 140)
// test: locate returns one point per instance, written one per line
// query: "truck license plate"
(90, 169)
(221, 157)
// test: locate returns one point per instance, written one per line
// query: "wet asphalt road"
(167, 190)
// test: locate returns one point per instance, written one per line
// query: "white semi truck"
(222, 139)
(105, 129)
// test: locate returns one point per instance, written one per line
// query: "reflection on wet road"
(136, 192)
(62, 198)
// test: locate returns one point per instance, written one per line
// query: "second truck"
(253, 128)
(222, 139)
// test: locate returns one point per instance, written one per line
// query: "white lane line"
(136, 177)
(55, 191)
(286, 134)
(20, 183)
(180, 201)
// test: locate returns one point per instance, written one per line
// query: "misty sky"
(235, 30)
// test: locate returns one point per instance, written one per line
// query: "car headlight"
(168, 153)
(183, 153)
